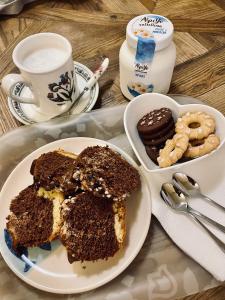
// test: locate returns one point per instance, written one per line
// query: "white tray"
(161, 270)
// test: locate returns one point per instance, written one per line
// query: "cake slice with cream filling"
(35, 217)
(106, 173)
(93, 228)
(54, 170)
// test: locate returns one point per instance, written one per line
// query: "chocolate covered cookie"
(161, 132)
(154, 121)
(159, 141)
(153, 153)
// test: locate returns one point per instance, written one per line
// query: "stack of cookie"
(154, 129)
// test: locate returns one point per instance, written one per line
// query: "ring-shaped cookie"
(208, 144)
(173, 150)
(206, 122)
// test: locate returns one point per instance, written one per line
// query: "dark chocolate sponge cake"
(34, 219)
(93, 228)
(105, 173)
(55, 170)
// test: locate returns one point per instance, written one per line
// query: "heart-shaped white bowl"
(145, 103)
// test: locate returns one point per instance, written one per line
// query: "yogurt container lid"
(150, 26)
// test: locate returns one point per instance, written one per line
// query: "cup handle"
(8, 84)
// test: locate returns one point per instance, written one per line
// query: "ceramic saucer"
(28, 113)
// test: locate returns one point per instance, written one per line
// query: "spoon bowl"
(173, 197)
(190, 188)
(186, 183)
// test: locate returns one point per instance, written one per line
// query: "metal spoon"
(178, 198)
(168, 194)
(190, 188)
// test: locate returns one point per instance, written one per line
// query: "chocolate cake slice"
(35, 217)
(54, 170)
(93, 228)
(105, 173)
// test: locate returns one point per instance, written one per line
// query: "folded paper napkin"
(183, 230)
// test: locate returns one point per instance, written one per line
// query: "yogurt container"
(147, 56)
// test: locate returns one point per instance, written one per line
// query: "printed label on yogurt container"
(148, 29)
(155, 25)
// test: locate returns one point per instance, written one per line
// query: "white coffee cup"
(46, 66)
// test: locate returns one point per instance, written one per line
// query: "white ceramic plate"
(52, 271)
(145, 103)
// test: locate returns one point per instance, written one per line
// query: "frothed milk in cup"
(43, 59)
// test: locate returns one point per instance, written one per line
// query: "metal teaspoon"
(190, 188)
(174, 203)
(178, 198)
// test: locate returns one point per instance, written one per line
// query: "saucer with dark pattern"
(28, 113)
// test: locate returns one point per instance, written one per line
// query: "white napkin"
(183, 230)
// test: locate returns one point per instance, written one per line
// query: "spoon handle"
(218, 241)
(212, 201)
(207, 219)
